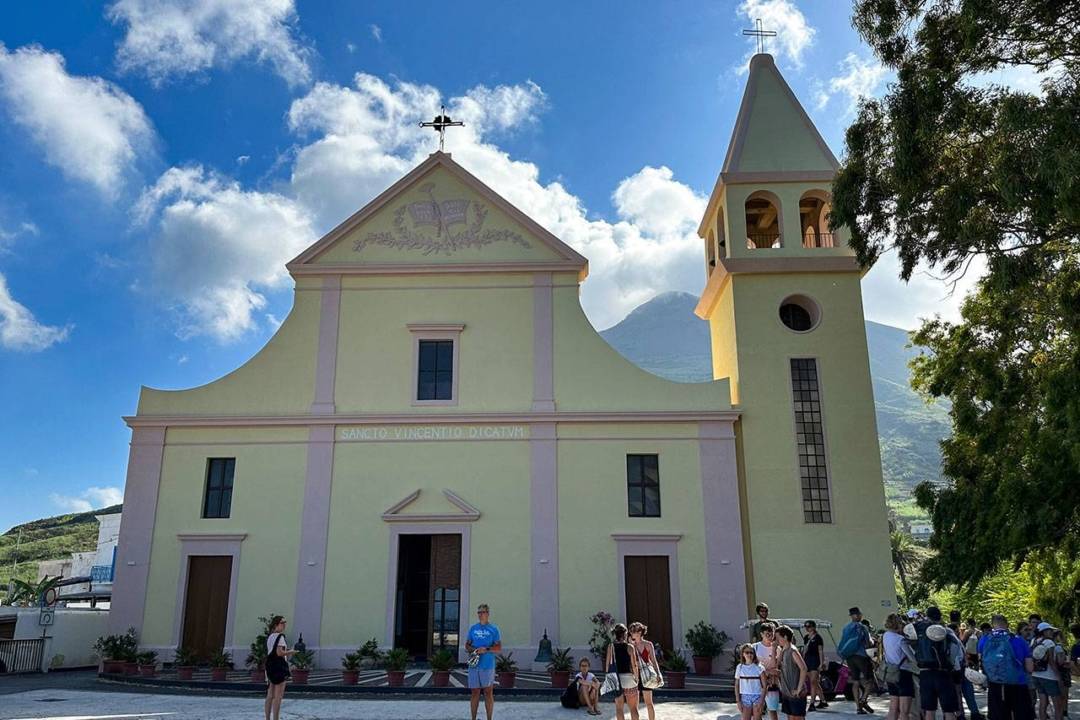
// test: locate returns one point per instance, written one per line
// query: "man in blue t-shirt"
(482, 641)
(1008, 701)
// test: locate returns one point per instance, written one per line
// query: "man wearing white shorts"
(483, 640)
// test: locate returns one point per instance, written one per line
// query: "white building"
(98, 564)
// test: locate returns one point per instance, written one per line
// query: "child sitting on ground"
(588, 688)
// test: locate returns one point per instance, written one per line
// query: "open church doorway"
(428, 598)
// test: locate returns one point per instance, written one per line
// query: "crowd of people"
(922, 662)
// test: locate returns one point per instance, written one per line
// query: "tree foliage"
(947, 167)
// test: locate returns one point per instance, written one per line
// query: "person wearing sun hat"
(1049, 656)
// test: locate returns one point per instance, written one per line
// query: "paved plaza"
(62, 704)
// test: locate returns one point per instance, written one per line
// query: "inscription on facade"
(407, 433)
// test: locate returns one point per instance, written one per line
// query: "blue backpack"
(851, 642)
(999, 661)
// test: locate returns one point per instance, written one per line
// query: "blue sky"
(161, 161)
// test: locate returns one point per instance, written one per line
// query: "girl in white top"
(749, 688)
(588, 688)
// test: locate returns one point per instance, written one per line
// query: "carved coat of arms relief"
(436, 226)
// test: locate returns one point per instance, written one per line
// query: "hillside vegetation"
(47, 539)
(664, 337)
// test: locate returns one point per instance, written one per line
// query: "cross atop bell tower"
(760, 35)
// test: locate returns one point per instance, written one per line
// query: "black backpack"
(930, 654)
(569, 698)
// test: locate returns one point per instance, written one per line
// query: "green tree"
(944, 169)
(907, 557)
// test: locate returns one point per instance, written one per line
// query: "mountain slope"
(47, 539)
(664, 337)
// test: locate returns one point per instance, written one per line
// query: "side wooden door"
(206, 604)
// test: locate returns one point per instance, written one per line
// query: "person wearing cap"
(762, 612)
(1049, 656)
(854, 641)
(483, 640)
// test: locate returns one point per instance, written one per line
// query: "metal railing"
(101, 573)
(19, 656)
(763, 240)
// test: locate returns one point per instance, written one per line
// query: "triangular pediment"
(772, 132)
(439, 216)
(418, 506)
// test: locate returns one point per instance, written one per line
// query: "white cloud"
(19, 330)
(376, 32)
(94, 498)
(857, 78)
(889, 300)
(794, 33)
(217, 248)
(167, 39)
(89, 128)
(366, 138)
(8, 237)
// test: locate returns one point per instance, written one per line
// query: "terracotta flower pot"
(675, 680)
(507, 679)
(113, 666)
(350, 677)
(258, 675)
(300, 677)
(185, 672)
(442, 678)
(131, 668)
(395, 678)
(702, 665)
(560, 678)
(147, 670)
(219, 674)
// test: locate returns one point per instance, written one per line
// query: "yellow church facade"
(436, 424)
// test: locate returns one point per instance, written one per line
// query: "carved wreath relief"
(446, 217)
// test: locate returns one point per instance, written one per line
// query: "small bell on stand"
(543, 653)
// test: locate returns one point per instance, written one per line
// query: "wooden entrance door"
(206, 606)
(648, 596)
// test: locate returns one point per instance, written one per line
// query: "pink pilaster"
(137, 529)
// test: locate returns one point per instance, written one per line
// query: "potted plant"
(147, 663)
(184, 662)
(302, 660)
(602, 623)
(675, 667)
(112, 657)
(562, 662)
(128, 650)
(220, 662)
(369, 654)
(396, 661)
(706, 642)
(350, 668)
(256, 661)
(442, 663)
(506, 669)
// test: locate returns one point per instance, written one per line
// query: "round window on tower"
(799, 313)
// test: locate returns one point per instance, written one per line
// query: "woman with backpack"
(898, 661)
(623, 656)
(1049, 656)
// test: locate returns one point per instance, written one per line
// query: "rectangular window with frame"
(810, 441)
(217, 502)
(643, 485)
(435, 370)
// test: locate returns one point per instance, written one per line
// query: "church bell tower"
(784, 306)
